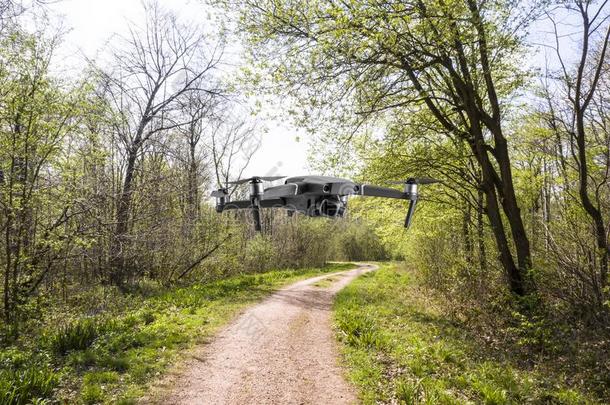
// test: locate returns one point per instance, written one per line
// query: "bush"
(357, 241)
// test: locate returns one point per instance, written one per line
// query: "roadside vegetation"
(401, 343)
(107, 350)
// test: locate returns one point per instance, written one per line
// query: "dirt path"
(281, 351)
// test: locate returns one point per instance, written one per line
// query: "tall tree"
(454, 58)
(581, 112)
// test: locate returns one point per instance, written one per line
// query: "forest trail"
(279, 351)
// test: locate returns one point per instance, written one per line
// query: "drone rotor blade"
(426, 180)
(240, 181)
(271, 178)
(219, 193)
(416, 180)
(254, 178)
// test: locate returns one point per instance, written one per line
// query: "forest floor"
(400, 346)
(277, 352)
(106, 346)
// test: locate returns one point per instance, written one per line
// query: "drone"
(314, 196)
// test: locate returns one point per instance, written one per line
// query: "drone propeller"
(256, 179)
(417, 180)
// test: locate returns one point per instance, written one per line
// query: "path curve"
(281, 351)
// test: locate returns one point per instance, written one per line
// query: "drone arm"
(376, 191)
(410, 194)
(272, 203)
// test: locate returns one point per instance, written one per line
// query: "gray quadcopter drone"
(315, 196)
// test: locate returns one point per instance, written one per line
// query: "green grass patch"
(400, 348)
(113, 355)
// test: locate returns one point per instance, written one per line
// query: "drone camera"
(326, 188)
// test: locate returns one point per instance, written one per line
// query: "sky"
(91, 24)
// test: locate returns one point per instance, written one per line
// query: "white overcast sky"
(92, 23)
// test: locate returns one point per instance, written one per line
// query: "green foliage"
(260, 254)
(359, 241)
(359, 330)
(77, 335)
(429, 358)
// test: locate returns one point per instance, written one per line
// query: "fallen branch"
(202, 258)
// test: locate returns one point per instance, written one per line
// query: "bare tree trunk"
(466, 234)
(118, 268)
(481, 230)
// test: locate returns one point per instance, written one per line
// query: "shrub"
(77, 335)
(92, 394)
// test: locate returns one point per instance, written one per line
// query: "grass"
(325, 282)
(400, 348)
(112, 355)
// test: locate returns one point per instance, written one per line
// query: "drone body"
(315, 196)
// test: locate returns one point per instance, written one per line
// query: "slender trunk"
(466, 233)
(546, 207)
(510, 206)
(513, 274)
(504, 184)
(7, 269)
(592, 211)
(492, 209)
(122, 219)
(193, 197)
(481, 231)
